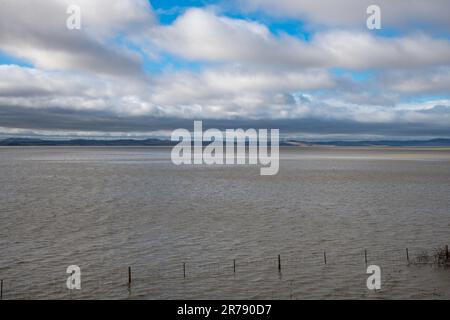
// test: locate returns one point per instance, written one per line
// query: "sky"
(139, 68)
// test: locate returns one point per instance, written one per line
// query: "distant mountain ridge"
(84, 142)
(161, 142)
(387, 143)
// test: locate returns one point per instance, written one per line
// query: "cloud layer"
(126, 72)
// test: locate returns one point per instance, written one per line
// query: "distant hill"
(84, 142)
(387, 143)
(161, 142)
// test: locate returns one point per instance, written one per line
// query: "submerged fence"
(281, 264)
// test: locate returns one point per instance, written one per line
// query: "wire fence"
(122, 276)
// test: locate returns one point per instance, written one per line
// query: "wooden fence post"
(279, 263)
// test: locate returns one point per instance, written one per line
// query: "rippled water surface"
(105, 209)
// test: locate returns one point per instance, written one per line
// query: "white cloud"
(345, 13)
(211, 95)
(436, 80)
(37, 32)
(33, 88)
(201, 35)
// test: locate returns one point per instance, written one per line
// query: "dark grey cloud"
(69, 120)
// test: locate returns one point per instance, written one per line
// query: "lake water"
(105, 209)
